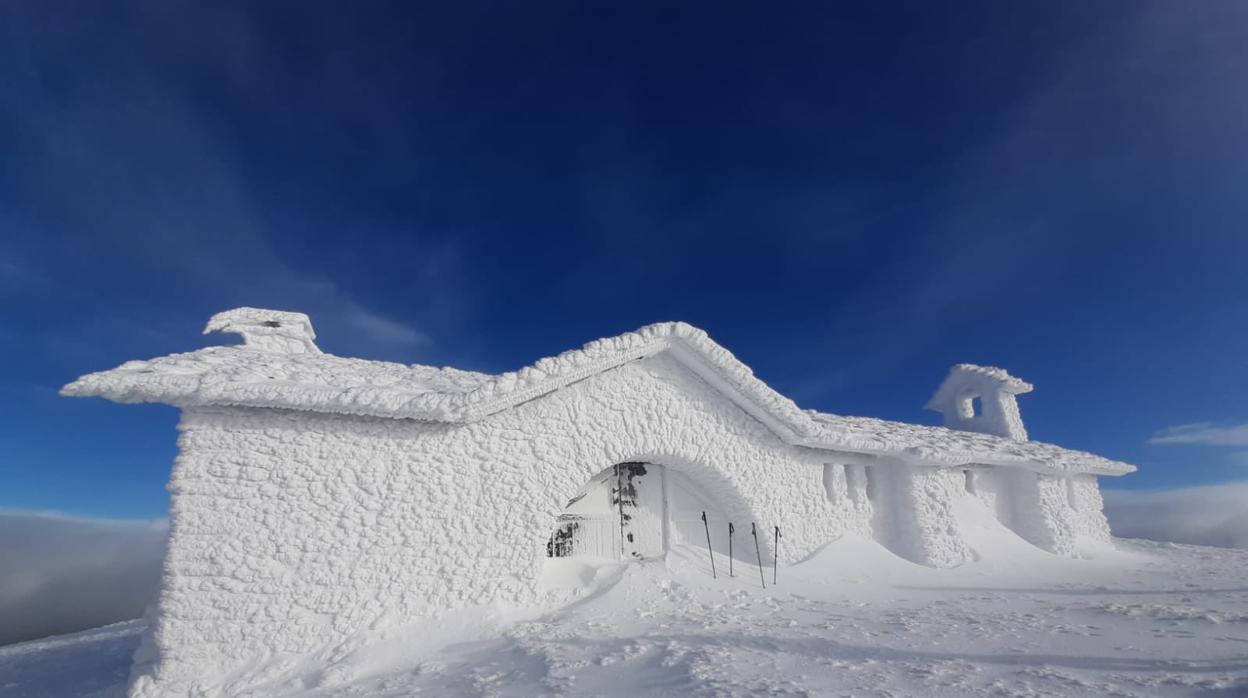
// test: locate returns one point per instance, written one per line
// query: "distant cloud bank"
(1208, 515)
(1203, 433)
(60, 574)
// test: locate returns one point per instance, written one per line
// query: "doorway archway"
(638, 510)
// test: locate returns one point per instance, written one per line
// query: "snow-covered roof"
(299, 377)
(945, 446)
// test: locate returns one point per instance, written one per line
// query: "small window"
(854, 482)
(970, 407)
(872, 485)
(829, 481)
(969, 480)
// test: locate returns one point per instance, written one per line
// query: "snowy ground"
(1149, 619)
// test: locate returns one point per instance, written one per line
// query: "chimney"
(273, 331)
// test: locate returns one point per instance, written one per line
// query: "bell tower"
(981, 399)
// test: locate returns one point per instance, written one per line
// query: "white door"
(642, 509)
(620, 514)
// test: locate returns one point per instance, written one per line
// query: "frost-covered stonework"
(317, 497)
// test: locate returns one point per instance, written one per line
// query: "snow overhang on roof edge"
(1080, 463)
(183, 380)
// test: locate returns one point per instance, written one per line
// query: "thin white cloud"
(61, 574)
(1238, 458)
(1207, 515)
(202, 235)
(380, 329)
(1203, 433)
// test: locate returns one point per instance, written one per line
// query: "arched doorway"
(621, 513)
(638, 510)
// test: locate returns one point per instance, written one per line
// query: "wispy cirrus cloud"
(1203, 434)
(1238, 458)
(131, 174)
(385, 330)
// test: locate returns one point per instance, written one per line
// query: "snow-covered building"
(315, 497)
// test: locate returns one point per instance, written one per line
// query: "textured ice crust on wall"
(292, 531)
(916, 513)
(317, 497)
(267, 330)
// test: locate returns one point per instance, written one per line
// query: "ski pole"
(754, 532)
(619, 500)
(709, 551)
(775, 564)
(731, 531)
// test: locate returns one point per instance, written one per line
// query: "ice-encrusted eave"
(1076, 462)
(189, 392)
(231, 376)
(239, 377)
(943, 447)
(199, 379)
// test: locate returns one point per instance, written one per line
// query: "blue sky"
(849, 198)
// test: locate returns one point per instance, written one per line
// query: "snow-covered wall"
(316, 498)
(292, 531)
(991, 486)
(1062, 515)
(846, 488)
(913, 512)
(1086, 511)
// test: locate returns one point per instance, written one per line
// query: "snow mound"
(1155, 620)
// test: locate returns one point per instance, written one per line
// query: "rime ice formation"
(267, 330)
(315, 497)
(981, 398)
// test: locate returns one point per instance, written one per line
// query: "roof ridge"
(235, 376)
